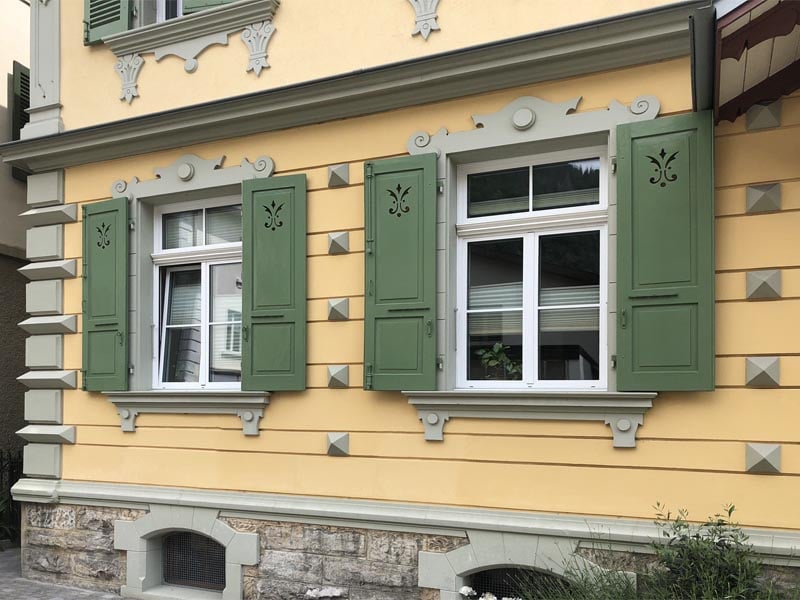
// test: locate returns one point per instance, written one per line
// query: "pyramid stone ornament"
(338, 444)
(338, 309)
(339, 175)
(338, 376)
(764, 116)
(426, 17)
(763, 458)
(764, 285)
(339, 242)
(763, 198)
(762, 371)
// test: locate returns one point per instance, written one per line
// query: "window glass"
(224, 224)
(184, 297)
(498, 192)
(183, 229)
(563, 184)
(171, 8)
(225, 330)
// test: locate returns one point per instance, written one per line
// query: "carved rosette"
(256, 37)
(127, 68)
(426, 17)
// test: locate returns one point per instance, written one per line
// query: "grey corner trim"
(632, 39)
(248, 406)
(338, 309)
(45, 84)
(46, 189)
(624, 412)
(44, 297)
(49, 380)
(446, 520)
(191, 173)
(51, 324)
(128, 67)
(763, 458)
(529, 119)
(425, 17)
(339, 175)
(44, 352)
(338, 376)
(44, 406)
(256, 37)
(763, 285)
(55, 269)
(492, 549)
(339, 242)
(764, 116)
(51, 215)
(45, 243)
(763, 371)
(763, 198)
(338, 444)
(141, 539)
(42, 460)
(48, 434)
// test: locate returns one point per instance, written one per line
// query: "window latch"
(245, 333)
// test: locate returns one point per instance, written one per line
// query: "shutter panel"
(104, 17)
(193, 6)
(274, 283)
(400, 295)
(105, 295)
(20, 102)
(665, 254)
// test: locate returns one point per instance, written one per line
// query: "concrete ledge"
(50, 380)
(51, 324)
(51, 215)
(48, 434)
(54, 269)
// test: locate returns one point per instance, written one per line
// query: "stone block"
(44, 297)
(338, 444)
(355, 573)
(338, 376)
(339, 175)
(763, 458)
(44, 352)
(43, 406)
(42, 460)
(764, 116)
(51, 215)
(339, 242)
(52, 269)
(763, 285)
(48, 516)
(338, 309)
(48, 434)
(763, 198)
(50, 324)
(291, 566)
(763, 371)
(49, 379)
(45, 243)
(46, 189)
(392, 547)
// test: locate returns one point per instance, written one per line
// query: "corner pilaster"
(45, 92)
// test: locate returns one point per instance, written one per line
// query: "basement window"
(518, 584)
(193, 560)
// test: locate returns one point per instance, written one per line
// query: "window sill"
(624, 412)
(172, 592)
(248, 406)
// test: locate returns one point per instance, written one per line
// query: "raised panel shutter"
(20, 102)
(274, 283)
(105, 295)
(193, 6)
(104, 17)
(665, 254)
(400, 295)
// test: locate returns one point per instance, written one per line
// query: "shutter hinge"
(440, 362)
(85, 32)
(368, 377)
(440, 186)
(83, 379)
(368, 170)
(613, 165)
(613, 361)
(130, 370)
(131, 224)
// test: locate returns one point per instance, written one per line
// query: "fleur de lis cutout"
(273, 216)
(399, 205)
(663, 168)
(103, 241)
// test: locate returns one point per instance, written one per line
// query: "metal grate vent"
(193, 560)
(517, 583)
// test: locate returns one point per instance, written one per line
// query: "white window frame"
(206, 256)
(161, 10)
(530, 226)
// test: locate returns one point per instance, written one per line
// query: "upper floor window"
(158, 11)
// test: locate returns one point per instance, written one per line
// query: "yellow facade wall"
(690, 452)
(313, 39)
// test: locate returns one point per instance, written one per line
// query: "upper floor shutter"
(400, 296)
(19, 103)
(104, 17)
(193, 6)
(665, 254)
(105, 295)
(274, 283)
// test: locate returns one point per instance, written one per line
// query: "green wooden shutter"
(274, 283)
(19, 103)
(400, 296)
(665, 254)
(104, 17)
(105, 295)
(193, 6)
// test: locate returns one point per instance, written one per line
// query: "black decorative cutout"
(103, 241)
(399, 205)
(273, 216)
(663, 168)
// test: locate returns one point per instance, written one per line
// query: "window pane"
(226, 352)
(569, 269)
(226, 292)
(498, 192)
(495, 274)
(224, 224)
(182, 355)
(572, 183)
(183, 229)
(495, 345)
(184, 297)
(170, 9)
(569, 344)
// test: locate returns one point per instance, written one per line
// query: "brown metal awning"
(758, 55)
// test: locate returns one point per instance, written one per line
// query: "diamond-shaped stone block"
(339, 175)
(763, 458)
(338, 444)
(763, 198)
(338, 376)
(338, 309)
(764, 285)
(764, 116)
(763, 371)
(339, 242)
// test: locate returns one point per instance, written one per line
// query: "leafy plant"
(10, 472)
(497, 364)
